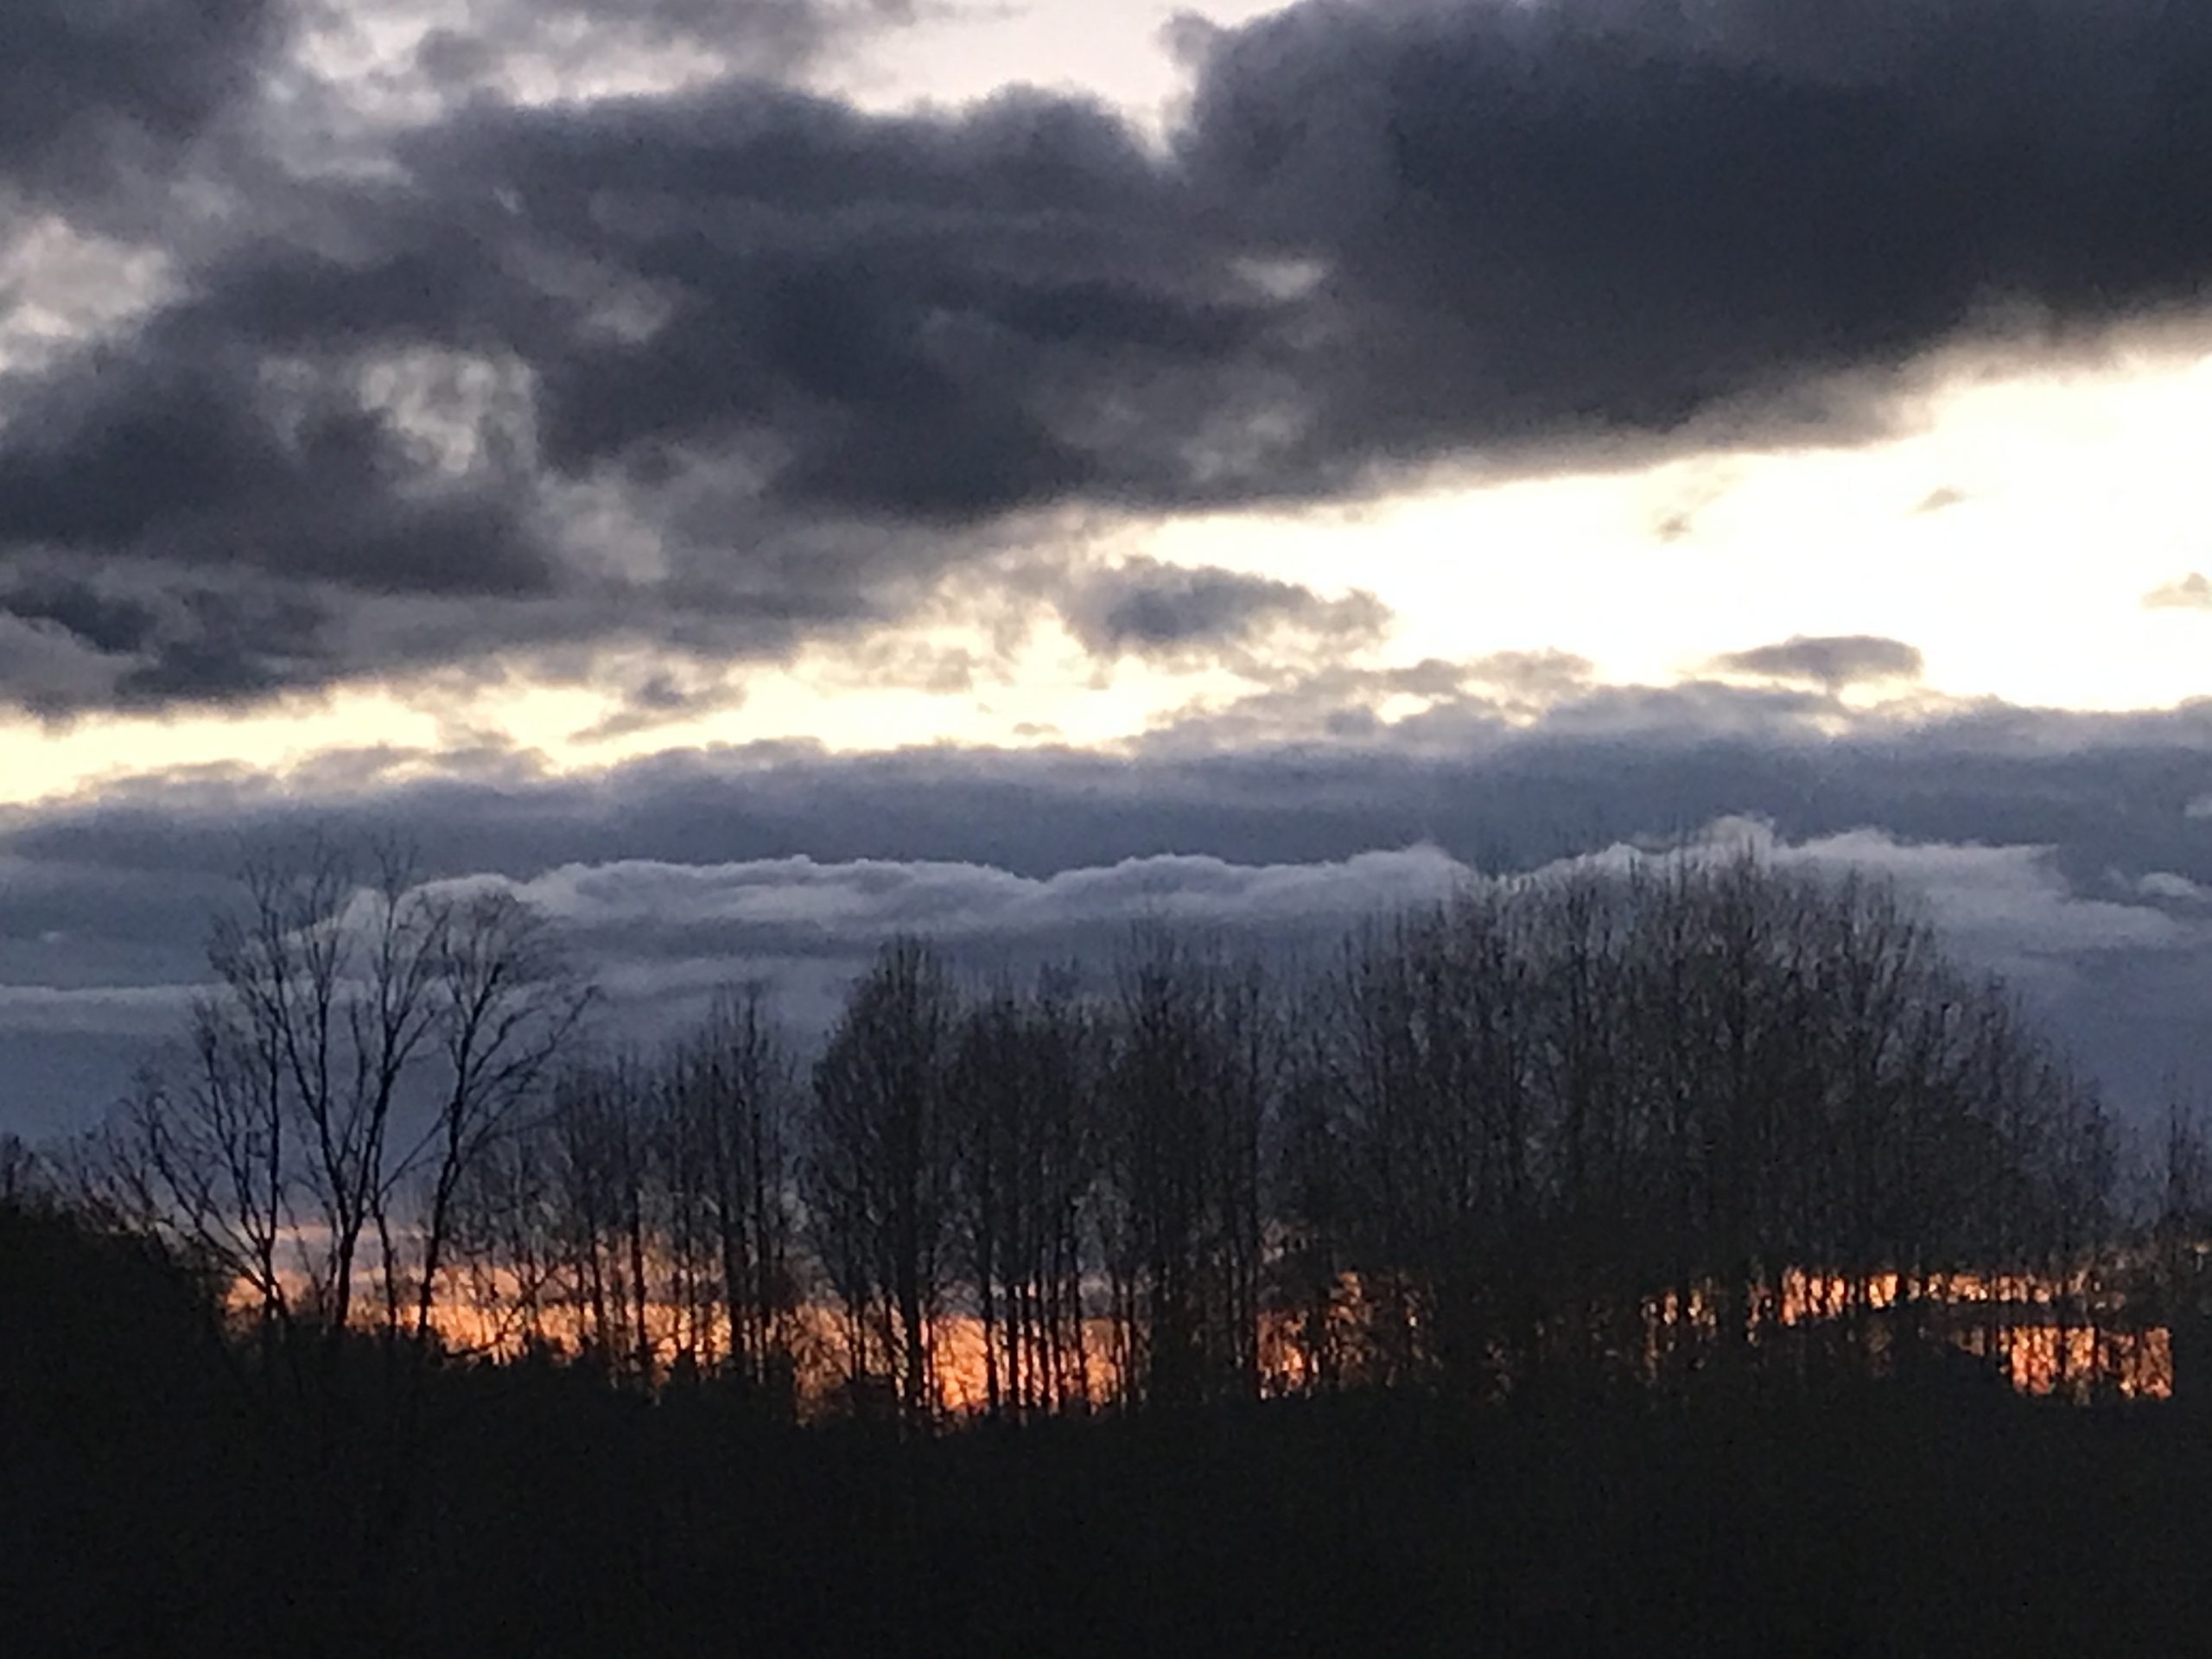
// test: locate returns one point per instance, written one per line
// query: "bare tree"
(1637, 1124)
(733, 1088)
(1019, 1094)
(878, 1172)
(1192, 1071)
(504, 1004)
(365, 1042)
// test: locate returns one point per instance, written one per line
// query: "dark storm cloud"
(105, 623)
(924, 318)
(194, 527)
(1622, 213)
(1832, 660)
(220, 646)
(203, 442)
(1145, 608)
(89, 88)
(803, 359)
(76, 644)
(767, 326)
(1387, 234)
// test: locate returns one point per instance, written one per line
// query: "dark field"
(147, 1509)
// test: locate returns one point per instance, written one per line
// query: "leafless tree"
(878, 1172)
(365, 1040)
(1018, 1095)
(505, 1004)
(1610, 1121)
(1189, 1080)
(733, 1090)
(1636, 1124)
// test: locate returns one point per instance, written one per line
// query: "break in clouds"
(322, 367)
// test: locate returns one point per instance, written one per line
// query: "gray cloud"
(436, 406)
(662, 697)
(1335, 701)
(920, 317)
(1621, 214)
(737, 366)
(1831, 660)
(1145, 608)
(106, 623)
(185, 449)
(691, 920)
(2036, 835)
(92, 89)
(473, 48)
(71, 643)
(2107, 792)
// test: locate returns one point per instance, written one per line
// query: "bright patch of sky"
(2012, 540)
(957, 53)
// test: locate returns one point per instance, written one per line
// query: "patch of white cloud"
(2178, 889)
(683, 929)
(398, 63)
(2008, 908)
(62, 288)
(403, 62)
(1134, 54)
(459, 414)
(662, 938)
(863, 902)
(1282, 280)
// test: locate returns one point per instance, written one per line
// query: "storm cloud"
(93, 91)
(748, 365)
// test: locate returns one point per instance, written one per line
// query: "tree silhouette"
(878, 1172)
(1616, 1233)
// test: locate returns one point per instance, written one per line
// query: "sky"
(760, 474)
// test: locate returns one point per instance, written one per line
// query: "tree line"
(1624, 1127)
(401, 1309)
